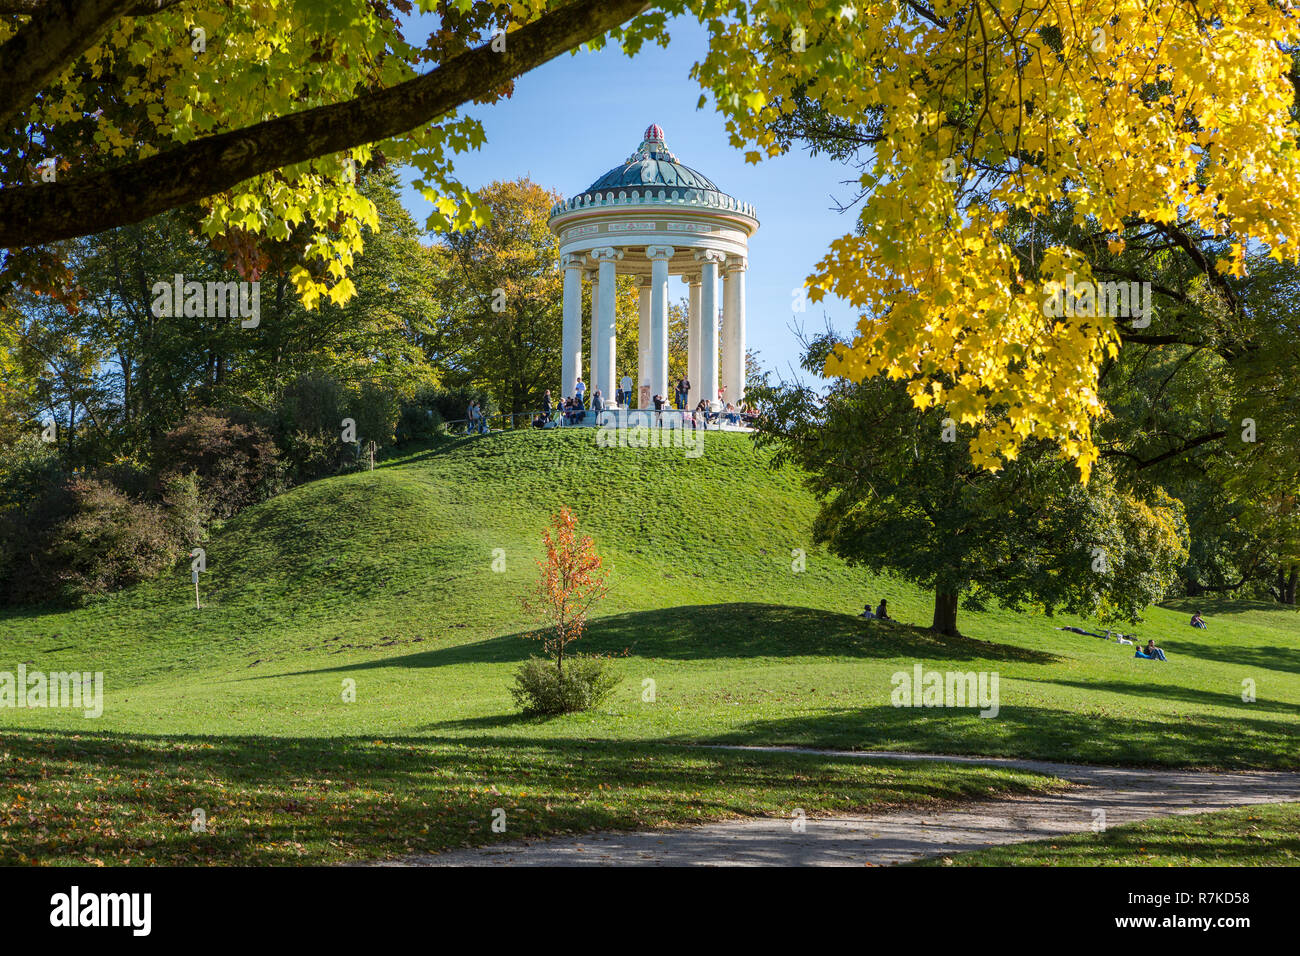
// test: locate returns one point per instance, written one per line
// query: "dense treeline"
(130, 423)
(127, 427)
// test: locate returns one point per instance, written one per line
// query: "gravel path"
(1123, 794)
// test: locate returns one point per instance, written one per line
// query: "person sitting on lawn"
(882, 612)
(1151, 652)
(1198, 621)
(866, 612)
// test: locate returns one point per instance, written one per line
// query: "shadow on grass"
(1213, 607)
(1203, 741)
(1230, 697)
(123, 798)
(721, 631)
(1265, 658)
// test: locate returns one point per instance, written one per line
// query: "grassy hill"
(386, 579)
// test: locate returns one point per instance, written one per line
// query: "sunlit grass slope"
(385, 582)
(386, 578)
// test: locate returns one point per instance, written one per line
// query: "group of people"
(476, 420)
(703, 415)
(1152, 653)
(881, 613)
(1149, 651)
(573, 410)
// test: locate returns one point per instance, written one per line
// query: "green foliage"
(502, 299)
(898, 493)
(186, 515)
(28, 468)
(314, 402)
(543, 689)
(34, 500)
(448, 404)
(375, 408)
(418, 422)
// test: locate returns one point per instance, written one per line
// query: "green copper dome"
(651, 165)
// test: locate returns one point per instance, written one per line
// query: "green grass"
(1263, 835)
(110, 799)
(386, 579)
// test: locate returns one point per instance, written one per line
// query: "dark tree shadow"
(128, 799)
(1265, 658)
(1214, 742)
(1229, 697)
(722, 631)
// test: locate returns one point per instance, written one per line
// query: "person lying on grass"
(1079, 630)
(1151, 652)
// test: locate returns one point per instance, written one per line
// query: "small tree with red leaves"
(572, 582)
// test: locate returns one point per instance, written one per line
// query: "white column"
(604, 372)
(733, 330)
(709, 260)
(693, 341)
(571, 357)
(659, 256)
(594, 278)
(643, 374)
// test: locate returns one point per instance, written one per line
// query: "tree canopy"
(981, 117)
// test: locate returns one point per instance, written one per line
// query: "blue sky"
(578, 116)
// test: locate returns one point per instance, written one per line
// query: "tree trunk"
(1287, 585)
(945, 612)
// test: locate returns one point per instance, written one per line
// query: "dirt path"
(1125, 795)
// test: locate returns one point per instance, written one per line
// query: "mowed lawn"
(728, 625)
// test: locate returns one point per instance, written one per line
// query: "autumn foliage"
(572, 581)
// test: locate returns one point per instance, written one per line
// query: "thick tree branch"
(46, 212)
(58, 32)
(1141, 463)
(139, 8)
(1142, 339)
(1203, 262)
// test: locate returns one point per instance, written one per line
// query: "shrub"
(308, 422)
(375, 410)
(451, 404)
(541, 688)
(235, 460)
(28, 468)
(34, 500)
(314, 403)
(418, 423)
(185, 514)
(111, 541)
(307, 456)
